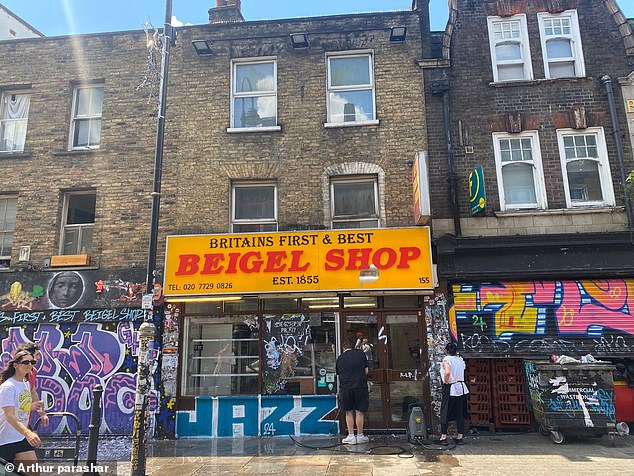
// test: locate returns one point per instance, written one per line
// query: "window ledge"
(6, 154)
(63, 153)
(234, 130)
(558, 211)
(536, 82)
(332, 125)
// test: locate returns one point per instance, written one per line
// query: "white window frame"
(522, 40)
(81, 227)
(574, 37)
(252, 94)
(605, 175)
(360, 87)
(90, 117)
(538, 171)
(19, 126)
(4, 199)
(354, 179)
(262, 221)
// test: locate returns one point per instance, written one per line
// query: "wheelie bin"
(575, 399)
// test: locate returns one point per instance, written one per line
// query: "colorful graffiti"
(543, 317)
(36, 291)
(258, 416)
(76, 357)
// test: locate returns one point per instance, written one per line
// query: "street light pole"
(147, 329)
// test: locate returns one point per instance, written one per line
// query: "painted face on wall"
(65, 289)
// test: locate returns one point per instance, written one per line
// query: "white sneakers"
(355, 440)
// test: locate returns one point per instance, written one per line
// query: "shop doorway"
(397, 358)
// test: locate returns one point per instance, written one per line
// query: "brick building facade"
(274, 129)
(519, 97)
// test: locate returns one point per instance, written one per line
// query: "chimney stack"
(226, 11)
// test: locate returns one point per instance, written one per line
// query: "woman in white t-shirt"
(454, 394)
(17, 442)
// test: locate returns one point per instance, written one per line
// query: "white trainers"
(349, 440)
(362, 439)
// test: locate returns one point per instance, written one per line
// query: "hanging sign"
(477, 192)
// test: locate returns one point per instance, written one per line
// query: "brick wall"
(474, 100)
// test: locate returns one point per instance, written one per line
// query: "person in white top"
(454, 394)
(17, 442)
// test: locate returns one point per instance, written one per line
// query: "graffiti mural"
(74, 358)
(258, 416)
(539, 318)
(35, 291)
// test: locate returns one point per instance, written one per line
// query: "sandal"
(443, 442)
(459, 441)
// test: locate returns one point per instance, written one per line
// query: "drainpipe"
(442, 88)
(616, 134)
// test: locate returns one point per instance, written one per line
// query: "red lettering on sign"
(188, 264)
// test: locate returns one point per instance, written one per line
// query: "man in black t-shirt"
(352, 369)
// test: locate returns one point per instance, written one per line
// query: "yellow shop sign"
(335, 260)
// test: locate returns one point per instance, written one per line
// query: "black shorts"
(8, 451)
(354, 399)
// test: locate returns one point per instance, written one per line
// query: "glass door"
(396, 359)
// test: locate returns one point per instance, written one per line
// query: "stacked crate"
(510, 407)
(478, 379)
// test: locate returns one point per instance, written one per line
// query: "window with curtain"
(586, 168)
(14, 116)
(254, 94)
(519, 171)
(510, 53)
(86, 117)
(8, 211)
(350, 88)
(561, 45)
(354, 202)
(253, 207)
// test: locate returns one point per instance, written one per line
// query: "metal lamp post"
(147, 329)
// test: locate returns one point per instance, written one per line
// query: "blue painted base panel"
(258, 416)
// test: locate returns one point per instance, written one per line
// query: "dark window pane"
(254, 203)
(354, 199)
(81, 209)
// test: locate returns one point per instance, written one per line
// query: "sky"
(62, 17)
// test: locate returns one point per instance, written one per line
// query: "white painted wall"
(11, 28)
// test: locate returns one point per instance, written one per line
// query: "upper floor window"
(354, 202)
(519, 170)
(510, 51)
(586, 169)
(78, 223)
(254, 94)
(561, 45)
(350, 88)
(254, 207)
(14, 116)
(86, 117)
(8, 209)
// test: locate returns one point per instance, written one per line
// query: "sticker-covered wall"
(258, 416)
(539, 318)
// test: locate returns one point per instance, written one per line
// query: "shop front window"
(299, 353)
(222, 356)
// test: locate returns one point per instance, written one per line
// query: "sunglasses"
(27, 362)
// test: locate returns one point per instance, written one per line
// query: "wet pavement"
(483, 454)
